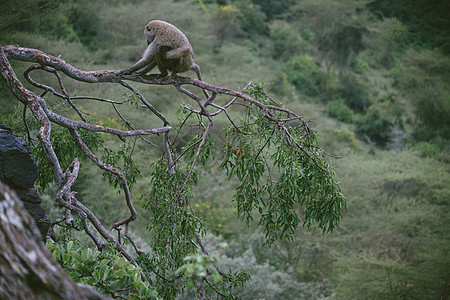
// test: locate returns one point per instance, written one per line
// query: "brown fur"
(168, 48)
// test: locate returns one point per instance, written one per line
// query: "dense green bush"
(285, 41)
(354, 92)
(427, 149)
(375, 124)
(339, 110)
(428, 25)
(251, 18)
(424, 76)
(305, 74)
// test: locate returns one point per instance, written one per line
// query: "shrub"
(339, 110)
(376, 124)
(427, 149)
(424, 77)
(359, 66)
(285, 40)
(251, 18)
(354, 92)
(305, 74)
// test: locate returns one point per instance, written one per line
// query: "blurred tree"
(17, 13)
(338, 29)
(252, 20)
(428, 21)
(274, 8)
(424, 77)
(285, 40)
(225, 24)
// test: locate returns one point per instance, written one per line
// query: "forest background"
(374, 78)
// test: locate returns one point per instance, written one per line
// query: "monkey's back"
(168, 35)
(170, 38)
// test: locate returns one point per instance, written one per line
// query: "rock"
(19, 170)
(17, 166)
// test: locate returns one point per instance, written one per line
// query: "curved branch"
(112, 169)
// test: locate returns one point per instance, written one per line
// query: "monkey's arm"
(148, 61)
(147, 68)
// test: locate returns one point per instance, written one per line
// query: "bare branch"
(112, 169)
(168, 153)
(153, 109)
(202, 246)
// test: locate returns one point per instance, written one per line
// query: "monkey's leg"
(163, 69)
(177, 53)
(147, 58)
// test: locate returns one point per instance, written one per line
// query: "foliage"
(172, 225)
(107, 271)
(338, 29)
(428, 25)
(427, 149)
(198, 267)
(172, 222)
(379, 119)
(131, 172)
(424, 78)
(303, 179)
(19, 12)
(251, 18)
(304, 73)
(276, 181)
(339, 110)
(359, 66)
(285, 40)
(354, 92)
(397, 200)
(64, 146)
(226, 24)
(376, 124)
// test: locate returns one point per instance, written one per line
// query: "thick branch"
(27, 268)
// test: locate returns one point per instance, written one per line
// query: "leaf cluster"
(282, 172)
(198, 267)
(107, 271)
(121, 157)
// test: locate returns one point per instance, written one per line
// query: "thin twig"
(98, 243)
(197, 154)
(129, 124)
(139, 252)
(168, 153)
(202, 246)
(151, 107)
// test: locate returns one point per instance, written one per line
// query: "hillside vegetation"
(372, 76)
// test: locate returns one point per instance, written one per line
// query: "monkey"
(168, 48)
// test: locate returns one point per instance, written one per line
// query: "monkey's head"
(149, 33)
(164, 34)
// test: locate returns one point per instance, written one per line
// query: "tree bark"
(27, 269)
